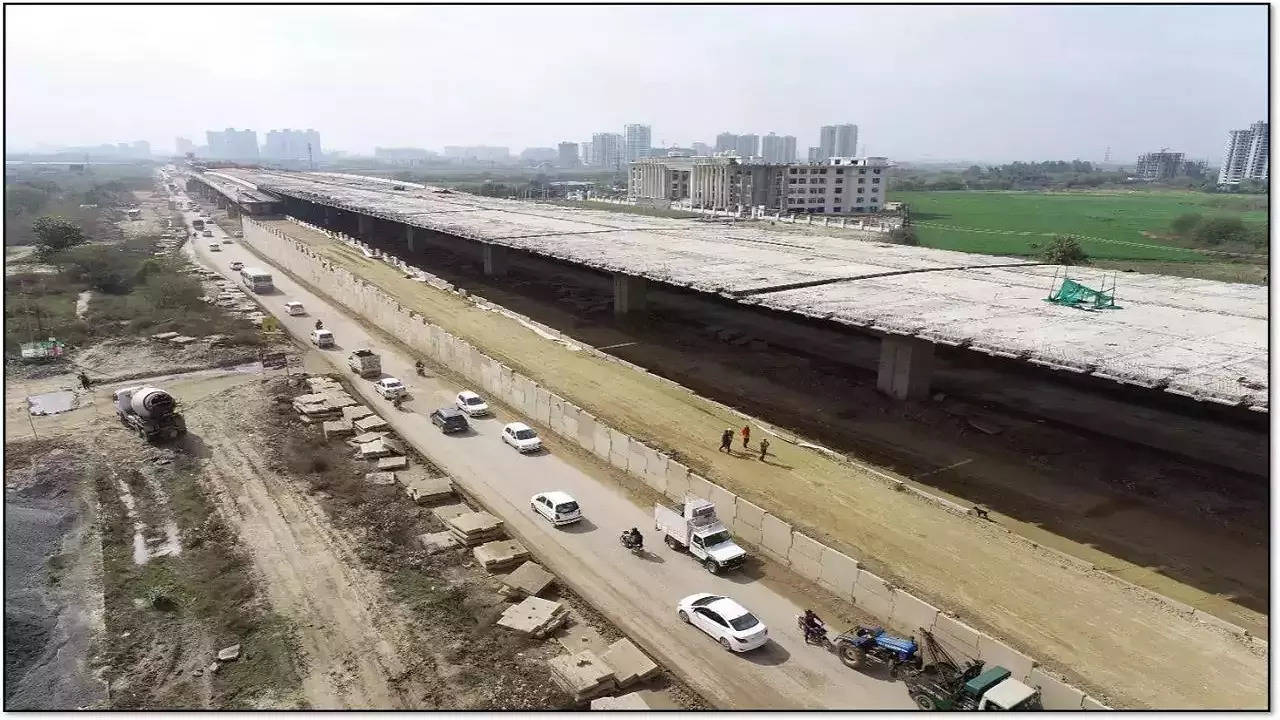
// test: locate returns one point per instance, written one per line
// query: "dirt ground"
(1099, 634)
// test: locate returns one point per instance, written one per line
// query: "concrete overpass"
(1196, 339)
(232, 193)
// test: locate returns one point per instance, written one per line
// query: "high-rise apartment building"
(606, 150)
(726, 142)
(538, 155)
(701, 149)
(789, 149)
(292, 145)
(1247, 155)
(1159, 165)
(638, 140)
(837, 141)
(567, 156)
(778, 148)
(748, 145)
(232, 144)
(183, 145)
(585, 152)
(813, 153)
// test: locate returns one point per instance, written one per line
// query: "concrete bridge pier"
(906, 367)
(629, 294)
(364, 227)
(330, 217)
(495, 259)
(222, 202)
(409, 239)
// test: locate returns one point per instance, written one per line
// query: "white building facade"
(1248, 155)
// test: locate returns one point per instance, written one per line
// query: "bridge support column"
(222, 202)
(364, 227)
(495, 259)
(629, 294)
(906, 367)
(330, 216)
(408, 238)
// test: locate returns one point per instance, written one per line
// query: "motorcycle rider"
(812, 623)
(635, 539)
(319, 325)
(420, 368)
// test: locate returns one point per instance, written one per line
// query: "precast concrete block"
(993, 652)
(619, 449)
(699, 486)
(749, 513)
(479, 365)
(1055, 694)
(805, 556)
(726, 504)
(602, 441)
(569, 420)
(556, 421)
(506, 380)
(530, 406)
(542, 406)
(955, 634)
(911, 613)
(655, 470)
(514, 392)
(677, 480)
(1090, 704)
(586, 430)
(775, 537)
(637, 458)
(749, 534)
(839, 573)
(492, 383)
(872, 594)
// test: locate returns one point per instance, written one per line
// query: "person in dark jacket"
(726, 440)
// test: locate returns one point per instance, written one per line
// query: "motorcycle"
(635, 546)
(422, 370)
(319, 325)
(813, 635)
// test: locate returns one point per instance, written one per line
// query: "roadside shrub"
(1065, 250)
(1218, 230)
(1185, 223)
(904, 236)
(55, 234)
(102, 268)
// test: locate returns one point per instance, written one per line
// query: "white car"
(295, 308)
(521, 437)
(390, 388)
(556, 506)
(732, 625)
(471, 404)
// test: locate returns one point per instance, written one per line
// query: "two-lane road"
(638, 594)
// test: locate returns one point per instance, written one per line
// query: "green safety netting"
(1074, 294)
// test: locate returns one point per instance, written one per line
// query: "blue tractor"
(863, 646)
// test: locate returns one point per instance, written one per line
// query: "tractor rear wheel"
(925, 701)
(852, 656)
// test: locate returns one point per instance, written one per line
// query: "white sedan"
(471, 404)
(557, 506)
(521, 437)
(390, 388)
(732, 626)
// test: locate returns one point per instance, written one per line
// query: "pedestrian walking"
(726, 440)
(764, 447)
(84, 381)
(746, 435)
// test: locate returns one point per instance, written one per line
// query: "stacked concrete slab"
(500, 555)
(534, 616)
(583, 675)
(766, 533)
(629, 665)
(528, 579)
(475, 528)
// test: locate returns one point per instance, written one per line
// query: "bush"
(1185, 223)
(904, 236)
(1215, 231)
(1065, 250)
(55, 234)
(102, 268)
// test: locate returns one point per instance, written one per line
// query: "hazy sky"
(921, 82)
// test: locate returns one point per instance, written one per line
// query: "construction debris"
(474, 528)
(500, 555)
(534, 616)
(370, 423)
(393, 462)
(336, 428)
(630, 701)
(374, 450)
(583, 675)
(363, 438)
(423, 490)
(229, 653)
(579, 636)
(437, 542)
(355, 412)
(629, 665)
(528, 579)
(380, 478)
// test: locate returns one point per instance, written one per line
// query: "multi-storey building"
(231, 144)
(726, 142)
(1159, 165)
(292, 145)
(568, 155)
(637, 140)
(748, 145)
(606, 150)
(837, 141)
(702, 149)
(478, 153)
(1247, 155)
(778, 148)
(183, 145)
(665, 178)
(402, 155)
(838, 186)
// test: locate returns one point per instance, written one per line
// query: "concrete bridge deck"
(1200, 339)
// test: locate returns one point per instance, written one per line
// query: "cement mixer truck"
(150, 412)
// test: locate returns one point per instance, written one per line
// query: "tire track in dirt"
(349, 662)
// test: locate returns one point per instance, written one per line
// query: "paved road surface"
(637, 594)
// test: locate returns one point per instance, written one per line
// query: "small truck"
(945, 684)
(150, 412)
(365, 362)
(701, 532)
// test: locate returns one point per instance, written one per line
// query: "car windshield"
(474, 401)
(565, 508)
(526, 434)
(393, 384)
(706, 600)
(716, 538)
(744, 622)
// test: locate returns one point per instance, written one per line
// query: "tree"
(19, 199)
(105, 269)
(1185, 222)
(55, 234)
(1065, 250)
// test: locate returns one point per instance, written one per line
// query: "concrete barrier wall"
(751, 524)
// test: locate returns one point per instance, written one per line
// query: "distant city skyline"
(992, 83)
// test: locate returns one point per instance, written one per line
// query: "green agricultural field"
(1117, 225)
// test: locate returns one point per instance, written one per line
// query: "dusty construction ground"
(1100, 635)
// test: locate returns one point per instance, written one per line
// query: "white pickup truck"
(699, 530)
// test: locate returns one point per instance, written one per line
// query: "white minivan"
(322, 338)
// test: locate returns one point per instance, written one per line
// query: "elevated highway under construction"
(1138, 432)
